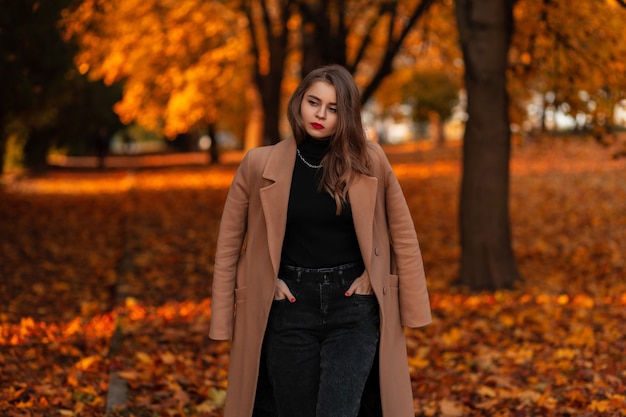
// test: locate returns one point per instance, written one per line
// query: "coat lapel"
(362, 194)
(275, 196)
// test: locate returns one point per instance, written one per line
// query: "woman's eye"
(313, 103)
(332, 109)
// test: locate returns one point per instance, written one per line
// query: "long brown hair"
(347, 153)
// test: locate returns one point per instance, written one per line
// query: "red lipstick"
(317, 126)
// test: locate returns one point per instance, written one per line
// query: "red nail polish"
(292, 299)
(347, 294)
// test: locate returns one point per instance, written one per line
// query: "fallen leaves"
(539, 366)
(72, 243)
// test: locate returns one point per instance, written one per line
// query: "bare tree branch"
(394, 45)
(365, 42)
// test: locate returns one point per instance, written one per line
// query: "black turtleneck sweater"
(315, 236)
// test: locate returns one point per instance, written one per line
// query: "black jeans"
(320, 349)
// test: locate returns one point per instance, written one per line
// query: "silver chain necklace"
(307, 163)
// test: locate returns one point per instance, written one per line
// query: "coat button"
(376, 251)
(385, 290)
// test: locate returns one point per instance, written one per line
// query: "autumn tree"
(431, 94)
(179, 67)
(485, 31)
(363, 36)
(569, 57)
(171, 51)
(268, 24)
(46, 102)
(428, 71)
(487, 260)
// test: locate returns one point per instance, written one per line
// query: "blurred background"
(95, 78)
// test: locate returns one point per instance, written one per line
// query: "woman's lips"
(317, 126)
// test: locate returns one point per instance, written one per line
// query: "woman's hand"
(281, 291)
(360, 286)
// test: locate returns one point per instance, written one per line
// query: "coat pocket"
(240, 294)
(392, 298)
(394, 281)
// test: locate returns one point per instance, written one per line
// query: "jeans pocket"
(366, 305)
(294, 286)
(364, 298)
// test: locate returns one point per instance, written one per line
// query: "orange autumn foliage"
(179, 61)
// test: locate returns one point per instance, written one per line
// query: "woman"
(318, 252)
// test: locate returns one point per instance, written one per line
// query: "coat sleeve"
(230, 241)
(414, 301)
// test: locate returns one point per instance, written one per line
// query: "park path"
(135, 161)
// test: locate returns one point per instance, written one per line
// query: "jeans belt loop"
(322, 274)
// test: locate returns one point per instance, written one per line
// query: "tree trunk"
(323, 24)
(437, 127)
(213, 150)
(269, 36)
(270, 87)
(314, 19)
(3, 150)
(487, 259)
(253, 135)
(36, 149)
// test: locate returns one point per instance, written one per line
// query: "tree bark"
(36, 149)
(269, 35)
(487, 259)
(322, 25)
(270, 88)
(3, 150)
(437, 127)
(214, 152)
(253, 135)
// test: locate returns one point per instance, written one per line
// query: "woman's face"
(319, 110)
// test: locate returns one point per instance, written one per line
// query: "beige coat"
(248, 257)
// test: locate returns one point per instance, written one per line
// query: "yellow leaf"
(487, 404)
(419, 363)
(486, 391)
(507, 320)
(529, 396)
(168, 358)
(562, 299)
(218, 396)
(206, 407)
(565, 354)
(584, 301)
(581, 336)
(128, 375)
(71, 379)
(450, 408)
(617, 400)
(85, 363)
(599, 406)
(144, 358)
(452, 337)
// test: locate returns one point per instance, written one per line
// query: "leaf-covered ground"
(105, 276)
